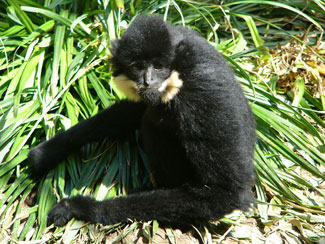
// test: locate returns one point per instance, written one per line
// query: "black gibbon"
(195, 124)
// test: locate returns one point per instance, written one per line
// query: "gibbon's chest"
(162, 145)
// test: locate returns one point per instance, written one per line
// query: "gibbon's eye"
(137, 66)
(157, 66)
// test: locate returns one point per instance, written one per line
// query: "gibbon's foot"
(79, 207)
(60, 214)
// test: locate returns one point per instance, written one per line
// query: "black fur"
(199, 144)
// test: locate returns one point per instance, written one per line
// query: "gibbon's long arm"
(114, 122)
(182, 205)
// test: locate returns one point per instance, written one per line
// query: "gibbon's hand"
(45, 156)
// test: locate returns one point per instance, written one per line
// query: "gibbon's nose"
(147, 78)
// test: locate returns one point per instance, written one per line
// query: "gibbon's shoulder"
(195, 57)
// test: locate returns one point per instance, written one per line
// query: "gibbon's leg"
(114, 122)
(177, 206)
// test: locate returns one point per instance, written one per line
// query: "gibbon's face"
(143, 60)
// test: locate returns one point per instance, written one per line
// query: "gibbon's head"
(143, 58)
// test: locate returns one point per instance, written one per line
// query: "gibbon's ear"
(185, 48)
(184, 54)
(114, 45)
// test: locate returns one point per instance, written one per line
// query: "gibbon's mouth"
(167, 90)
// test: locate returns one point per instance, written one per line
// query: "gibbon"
(195, 125)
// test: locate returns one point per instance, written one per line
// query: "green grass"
(54, 72)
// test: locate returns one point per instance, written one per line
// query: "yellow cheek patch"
(170, 87)
(127, 87)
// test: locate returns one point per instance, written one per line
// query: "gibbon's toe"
(59, 215)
